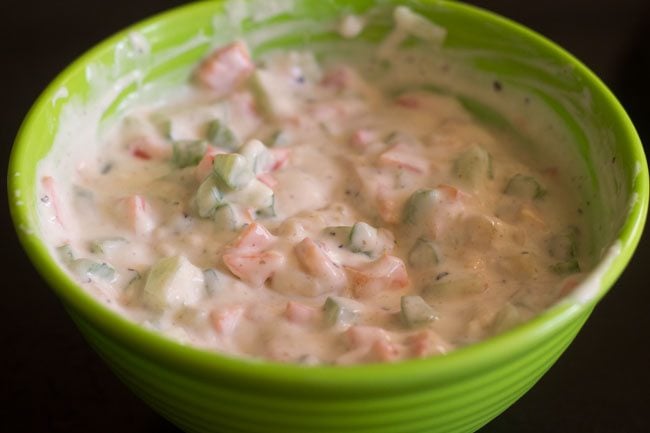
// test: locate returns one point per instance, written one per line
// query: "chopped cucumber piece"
(418, 25)
(363, 239)
(213, 281)
(423, 254)
(564, 245)
(473, 166)
(419, 205)
(258, 156)
(228, 217)
(341, 311)
(221, 136)
(172, 130)
(280, 138)
(525, 187)
(86, 268)
(173, 282)
(256, 195)
(188, 152)
(208, 197)
(339, 233)
(564, 248)
(106, 245)
(415, 311)
(267, 212)
(465, 286)
(567, 267)
(233, 169)
(273, 93)
(507, 317)
(65, 253)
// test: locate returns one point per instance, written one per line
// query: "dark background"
(52, 382)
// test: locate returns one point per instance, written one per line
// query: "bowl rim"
(262, 374)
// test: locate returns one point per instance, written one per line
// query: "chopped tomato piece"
(385, 350)
(204, 168)
(226, 68)
(401, 156)
(51, 197)
(253, 237)
(338, 78)
(225, 321)
(253, 268)
(280, 158)
(146, 148)
(364, 336)
(316, 262)
(408, 101)
(137, 214)
(387, 272)
(389, 207)
(267, 179)
(425, 343)
(300, 313)
(361, 138)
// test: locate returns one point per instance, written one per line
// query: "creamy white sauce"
(482, 255)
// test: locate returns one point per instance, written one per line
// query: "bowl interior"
(595, 129)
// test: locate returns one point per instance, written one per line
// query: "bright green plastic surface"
(459, 392)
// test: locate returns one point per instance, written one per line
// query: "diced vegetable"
(418, 26)
(86, 268)
(233, 169)
(341, 311)
(457, 288)
(273, 94)
(564, 248)
(423, 254)
(341, 234)
(415, 311)
(522, 265)
(280, 138)
(254, 268)
(136, 211)
(255, 195)
(507, 317)
(525, 187)
(363, 239)
(299, 313)
(259, 159)
(420, 205)
(267, 212)
(106, 245)
(566, 267)
(228, 217)
(173, 282)
(225, 320)
(385, 273)
(208, 197)
(222, 136)
(50, 198)
(65, 253)
(402, 156)
(254, 237)
(315, 261)
(473, 166)
(226, 68)
(188, 152)
(213, 281)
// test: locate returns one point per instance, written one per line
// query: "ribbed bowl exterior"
(463, 405)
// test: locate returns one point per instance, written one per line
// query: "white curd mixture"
(305, 210)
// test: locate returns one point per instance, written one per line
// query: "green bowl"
(203, 391)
